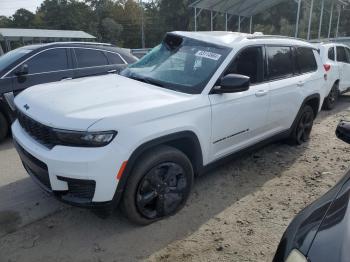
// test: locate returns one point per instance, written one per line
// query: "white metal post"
(142, 25)
(239, 23)
(195, 19)
(298, 18)
(226, 22)
(310, 20)
(211, 20)
(251, 25)
(338, 22)
(321, 20)
(330, 20)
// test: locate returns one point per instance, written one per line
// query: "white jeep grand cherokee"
(141, 137)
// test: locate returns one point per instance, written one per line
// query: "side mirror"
(343, 131)
(232, 83)
(22, 70)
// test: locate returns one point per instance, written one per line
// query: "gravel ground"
(237, 212)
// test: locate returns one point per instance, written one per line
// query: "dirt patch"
(9, 222)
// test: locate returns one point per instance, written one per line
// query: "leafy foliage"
(119, 21)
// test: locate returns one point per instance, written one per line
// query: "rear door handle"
(300, 84)
(112, 71)
(261, 93)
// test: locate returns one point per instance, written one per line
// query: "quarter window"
(331, 54)
(90, 58)
(305, 60)
(249, 63)
(341, 55)
(279, 59)
(114, 59)
(347, 50)
(48, 61)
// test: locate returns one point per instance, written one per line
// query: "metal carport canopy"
(14, 34)
(249, 8)
(245, 8)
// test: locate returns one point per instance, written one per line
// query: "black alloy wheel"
(331, 100)
(162, 191)
(158, 186)
(304, 127)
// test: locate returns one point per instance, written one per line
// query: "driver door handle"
(261, 93)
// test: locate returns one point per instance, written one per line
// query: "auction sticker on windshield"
(209, 55)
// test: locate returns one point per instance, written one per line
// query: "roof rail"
(274, 36)
(81, 43)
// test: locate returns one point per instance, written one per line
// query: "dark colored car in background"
(321, 232)
(43, 63)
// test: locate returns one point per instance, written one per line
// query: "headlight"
(84, 139)
(296, 256)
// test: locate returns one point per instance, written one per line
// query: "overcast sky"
(9, 7)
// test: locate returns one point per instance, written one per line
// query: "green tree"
(111, 30)
(23, 18)
(5, 21)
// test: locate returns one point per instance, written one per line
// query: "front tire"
(303, 126)
(331, 100)
(4, 127)
(158, 186)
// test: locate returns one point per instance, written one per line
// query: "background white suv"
(142, 137)
(336, 60)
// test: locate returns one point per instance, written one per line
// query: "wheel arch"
(185, 141)
(314, 101)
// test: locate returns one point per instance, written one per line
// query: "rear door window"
(305, 60)
(341, 55)
(48, 61)
(279, 62)
(331, 54)
(90, 58)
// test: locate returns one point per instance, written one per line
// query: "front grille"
(41, 133)
(78, 188)
(35, 168)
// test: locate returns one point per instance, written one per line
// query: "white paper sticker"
(209, 55)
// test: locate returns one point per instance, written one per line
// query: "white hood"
(79, 103)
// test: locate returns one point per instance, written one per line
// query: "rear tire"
(158, 187)
(4, 127)
(302, 129)
(331, 100)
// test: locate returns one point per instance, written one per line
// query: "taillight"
(327, 67)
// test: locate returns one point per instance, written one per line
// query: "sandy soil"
(237, 212)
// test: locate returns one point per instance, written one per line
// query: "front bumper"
(83, 177)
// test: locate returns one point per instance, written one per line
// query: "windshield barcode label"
(208, 55)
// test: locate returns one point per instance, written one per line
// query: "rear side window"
(90, 57)
(48, 61)
(331, 54)
(114, 59)
(305, 60)
(280, 62)
(341, 55)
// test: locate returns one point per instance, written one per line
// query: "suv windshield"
(12, 56)
(179, 63)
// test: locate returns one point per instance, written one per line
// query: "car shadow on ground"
(74, 234)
